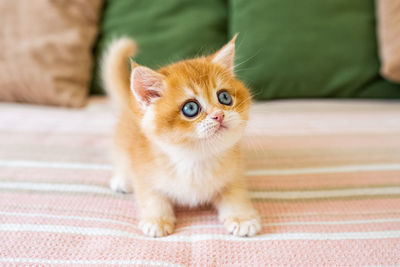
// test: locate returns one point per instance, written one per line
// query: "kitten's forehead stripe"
(197, 89)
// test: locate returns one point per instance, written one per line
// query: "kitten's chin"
(222, 140)
(201, 148)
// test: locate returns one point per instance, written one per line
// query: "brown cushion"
(389, 38)
(45, 50)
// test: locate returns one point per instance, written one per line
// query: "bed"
(324, 175)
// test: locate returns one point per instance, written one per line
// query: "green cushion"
(165, 30)
(308, 48)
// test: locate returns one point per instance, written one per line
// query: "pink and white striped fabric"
(324, 175)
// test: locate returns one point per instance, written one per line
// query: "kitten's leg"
(157, 214)
(236, 212)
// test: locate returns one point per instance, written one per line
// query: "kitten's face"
(201, 106)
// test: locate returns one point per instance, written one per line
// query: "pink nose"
(218, 116)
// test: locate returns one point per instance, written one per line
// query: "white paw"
(157, 227)
(243, 226)
(120, 185)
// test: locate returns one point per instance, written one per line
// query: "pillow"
(308, 48)
(45, 50)
(166, 31)
(389, 38)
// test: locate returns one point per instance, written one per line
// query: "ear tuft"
(225, 57)
(146, 84)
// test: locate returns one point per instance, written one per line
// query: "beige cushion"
(389, 38)
(45, 50)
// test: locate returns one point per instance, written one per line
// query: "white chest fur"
(192, 181)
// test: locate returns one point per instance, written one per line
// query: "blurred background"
(50, 49)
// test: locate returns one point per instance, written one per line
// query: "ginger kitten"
(176, 141)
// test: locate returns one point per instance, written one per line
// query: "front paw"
(157, 227)
(243, 226)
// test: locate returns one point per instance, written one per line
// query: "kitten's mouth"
(218, 131)
(221, 127)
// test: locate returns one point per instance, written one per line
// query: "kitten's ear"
(226, 55)
(146, 84)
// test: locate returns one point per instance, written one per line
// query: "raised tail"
(115, 70)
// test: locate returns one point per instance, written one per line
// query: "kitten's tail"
(115, 70)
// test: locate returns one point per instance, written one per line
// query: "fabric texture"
(309, 48)
(166, 31)
(324, 176)
(389, 38)
(45, 50)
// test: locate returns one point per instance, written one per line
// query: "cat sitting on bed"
(176, 141)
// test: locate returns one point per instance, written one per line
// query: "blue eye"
(190, 109)
(224, 98)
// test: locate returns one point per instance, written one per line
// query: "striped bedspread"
(324, 175)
